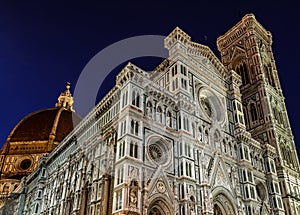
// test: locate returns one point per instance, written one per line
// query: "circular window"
(206, 106)
(155, 152)
(158, 152)
(25, 164)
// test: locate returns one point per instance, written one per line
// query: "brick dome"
(40, 124)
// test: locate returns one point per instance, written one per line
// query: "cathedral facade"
(195, 136)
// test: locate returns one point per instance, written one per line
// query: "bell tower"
(247, 49)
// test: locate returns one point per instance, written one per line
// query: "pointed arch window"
(269, 75)
(135, 98)
(133, 152)
(132, 127)
(253, 112)
(36, 208)
(242, 70)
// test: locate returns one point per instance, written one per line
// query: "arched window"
(242, 70)
(138, 100)
(269, 75)
(253, 112)
(136, 129)
(36, 208)
(245, 74)
(133, 151)
(179, 122)
(224, 146)
(132, 127)
(135, 98)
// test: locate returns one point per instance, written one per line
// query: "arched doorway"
(155, 211)
(159, 207)
(218, 210)
(223, 206)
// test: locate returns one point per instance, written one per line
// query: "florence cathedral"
(196, 136)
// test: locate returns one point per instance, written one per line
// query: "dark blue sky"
(45, 44)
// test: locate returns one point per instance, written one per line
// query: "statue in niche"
(192, 205)
(200, 136)
(149, 110)
(133, 191)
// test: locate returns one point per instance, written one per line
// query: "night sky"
(47, 43)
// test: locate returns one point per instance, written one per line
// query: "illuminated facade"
(194, 136)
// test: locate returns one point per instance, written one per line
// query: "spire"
(65, 99)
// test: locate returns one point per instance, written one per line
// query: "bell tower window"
(242, 70)
(253, 112)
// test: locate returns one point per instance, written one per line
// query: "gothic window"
(135, 98)
(121, 149)
(183, 84)
(245, 175)
(173, 85)
(246, 192)
(272, 165)
(252, 192)
(124, 99)
(253, 112)
(119, 200)
(36, 208)
(136, 129)
(120, 175)
(241, 153)
(188, 169)
(133, 152)
(187, 150)
(186, 124)
(174, 70)
(246, 152)
(269, 75)
(124, 127)
(181, 168)
(250, 176)
(183, 70)
(132, 127)
(180, 148)
(182, 191)
(243, 72)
